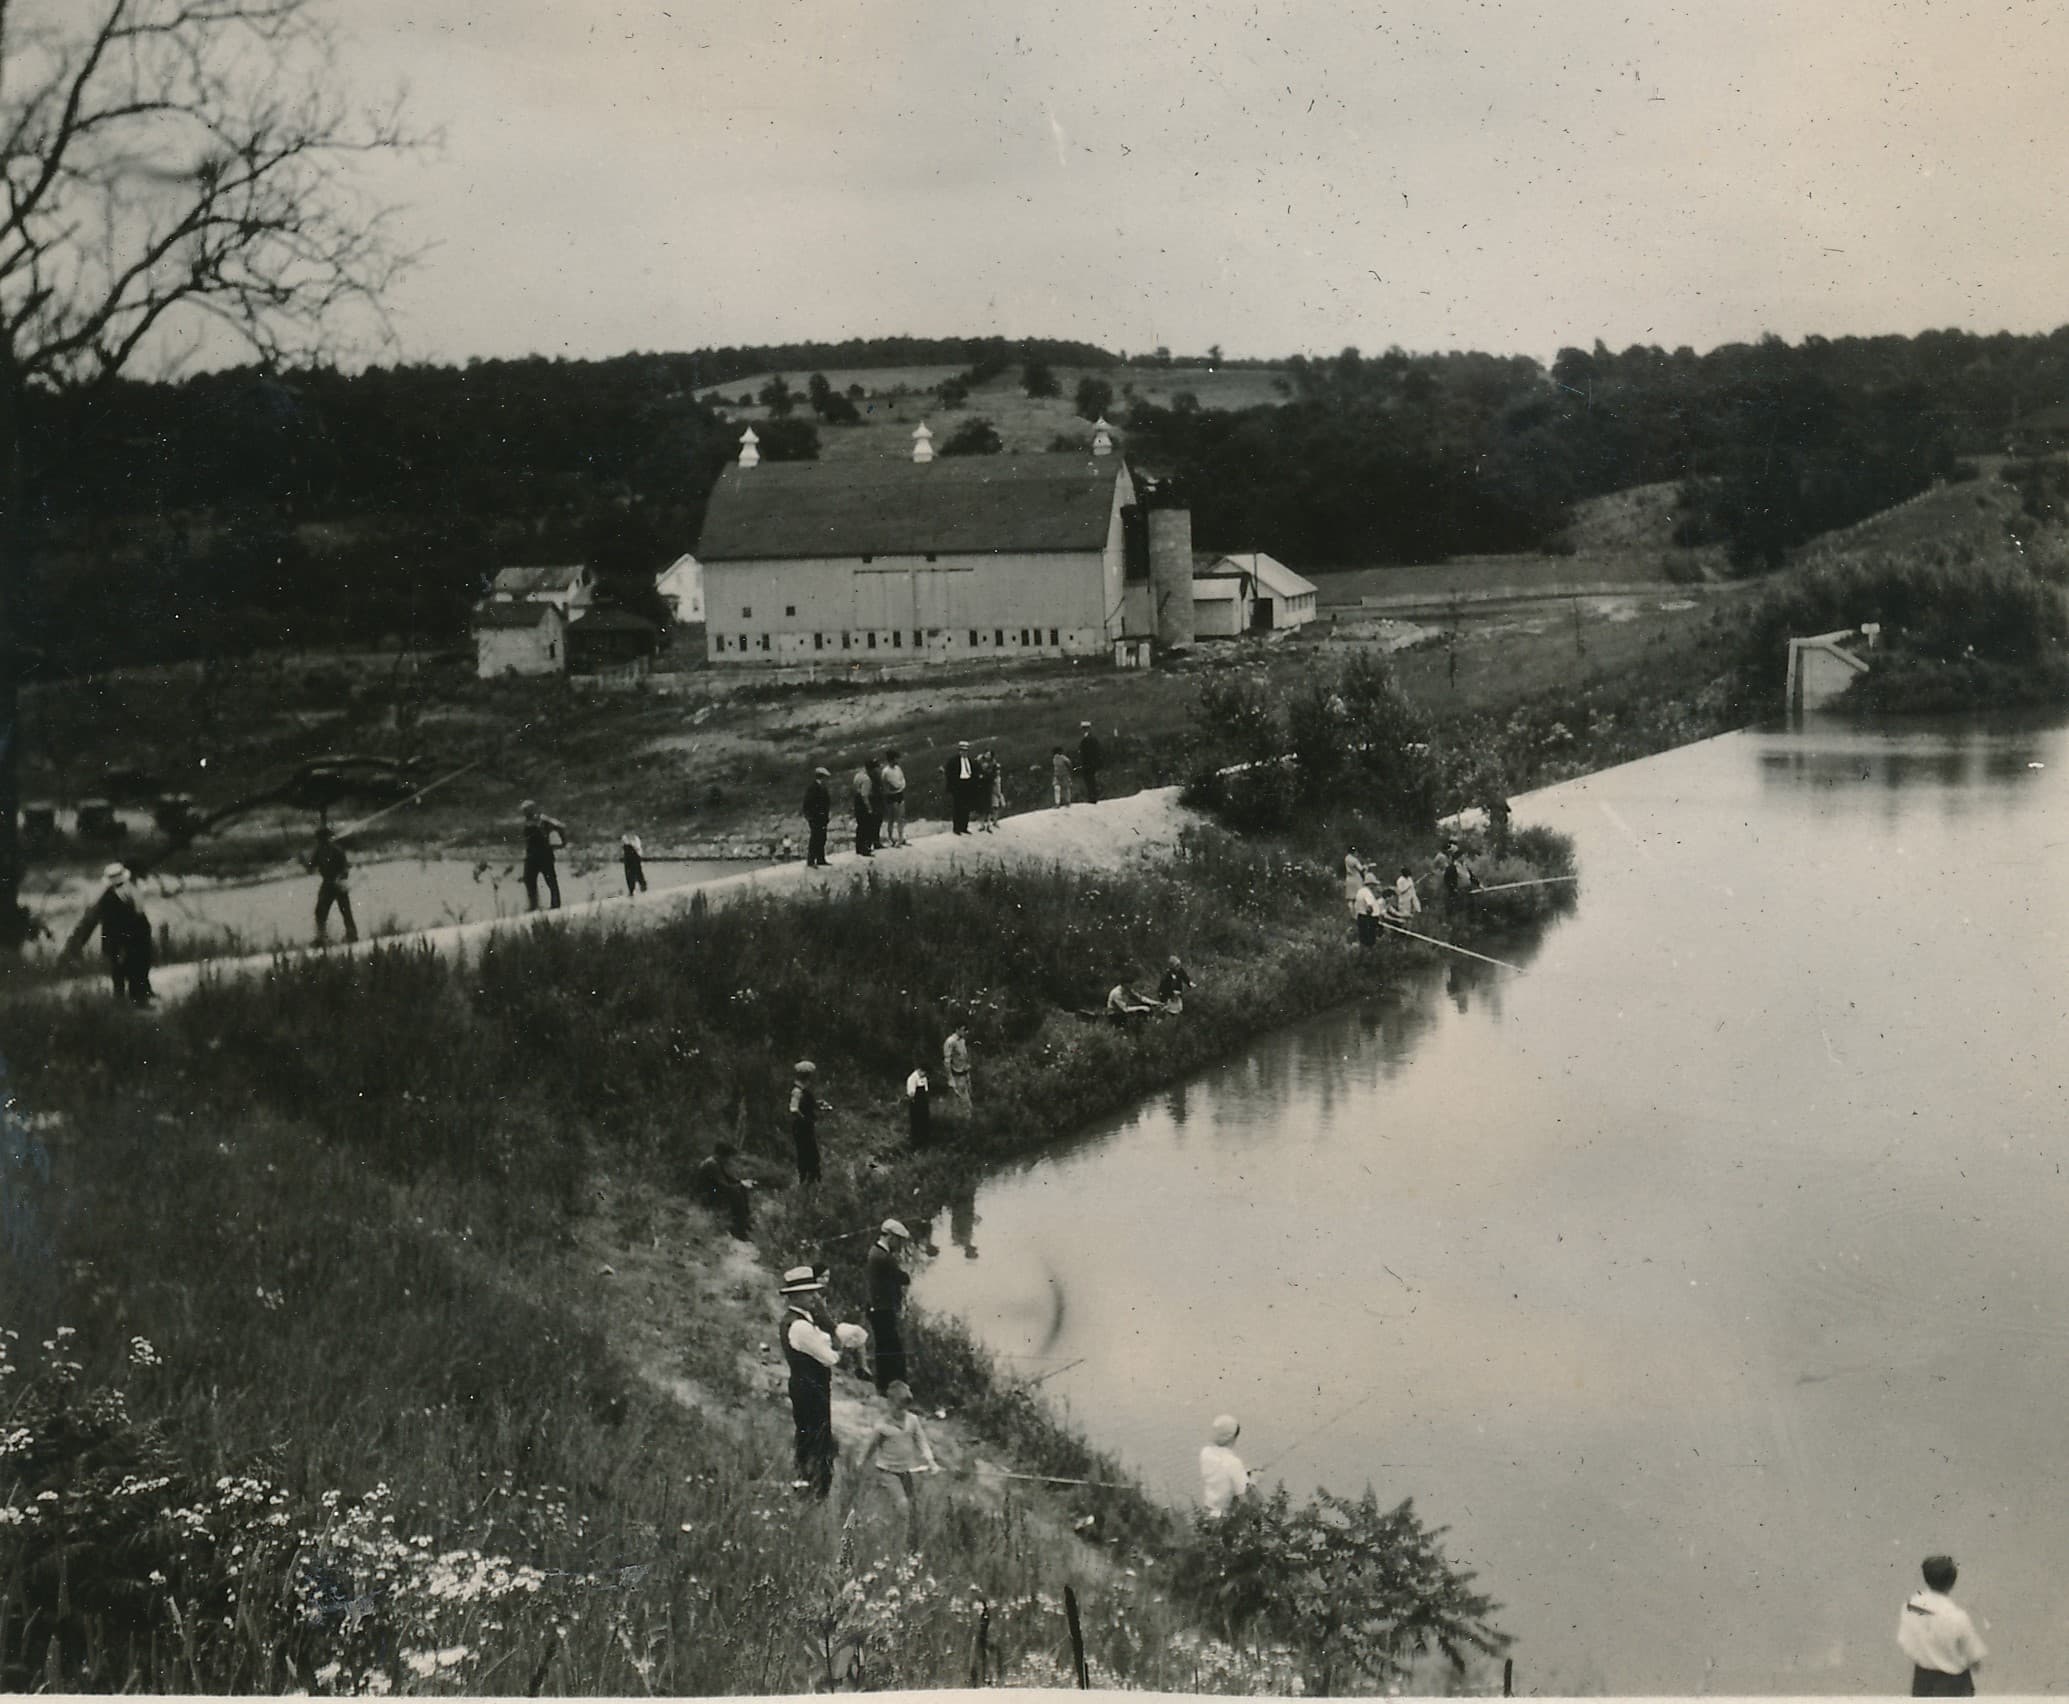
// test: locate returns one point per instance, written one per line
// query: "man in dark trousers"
(542, 835)
(960, 772)
(887, 1282)
(861, 802)
(126, 947)
(804, 1121)
(717, 1187)
(818, 813)
(1090, 757)
(812, 1354)
(333, 885)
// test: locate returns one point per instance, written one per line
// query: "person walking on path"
(1224, 1480)
(1060, 774)
(634, 857)
(1091, 756)
(126, 946)
(955, 1062)
(333, 885)
(886, 1282)
(878, 801)
(894, 797)
(804, 1121)
(898, 1445)
(812, 1354)
(919, 1107)
(818, 813)
(960, 772)
(715, 1185)
(1938, 1636)
(994, 788)
(860, 794)
(1498, 814)
(543, 835)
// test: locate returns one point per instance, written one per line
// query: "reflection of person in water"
(962, 1222)
(1456, 986)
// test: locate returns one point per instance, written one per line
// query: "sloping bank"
(337, 1205)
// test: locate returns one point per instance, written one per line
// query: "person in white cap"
(812, 1354)
(1223, 1477)
(1090, 758)
(125, 936)
(886, 1283)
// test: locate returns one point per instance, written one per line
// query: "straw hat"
(893, 1228)
(804, 1068)
(1224, 1431)
(801, 1279)
(115, 875)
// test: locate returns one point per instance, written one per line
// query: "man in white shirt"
(1937, 1635)
(1223, 1477)
(812, 1355)
(1366, 909)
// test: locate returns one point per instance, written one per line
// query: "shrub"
(976, 436)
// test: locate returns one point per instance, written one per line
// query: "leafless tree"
(165, 164)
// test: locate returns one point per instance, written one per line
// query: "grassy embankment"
(354, 1212)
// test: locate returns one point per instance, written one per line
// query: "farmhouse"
(1057, 555)
(682, 584)
(519, 637)
(568, 589)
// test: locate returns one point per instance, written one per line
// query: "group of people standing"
(1374, 901)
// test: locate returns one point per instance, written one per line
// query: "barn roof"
(520, 614)
(530, 582)
(894, 507)
(609, 618)
(1273, 576)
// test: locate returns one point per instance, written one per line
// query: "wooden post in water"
(1508, 1677)
(980, 1654)
(1077, 1640)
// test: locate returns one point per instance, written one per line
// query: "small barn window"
(847, 639)
(1052, 637)
(917, 639)
(872, 641)
(998, 635)
(869, 559)
(898, 638)
(818, 641)
(973, 636)
(930, 556)
(746, 612)
(790, 609)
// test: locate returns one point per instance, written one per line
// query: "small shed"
(606, 637)
(682, 584)
(1283, 598)
(519, 638)
(1222, 599)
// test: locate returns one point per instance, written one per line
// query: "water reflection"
(1711, 1269)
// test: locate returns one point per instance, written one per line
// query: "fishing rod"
(1314, 1432)
(385, 810)
(1542, 881)
(1053, 1371)
(1448, 947)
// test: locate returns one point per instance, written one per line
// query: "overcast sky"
(1270, 176)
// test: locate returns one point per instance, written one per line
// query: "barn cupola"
(750, 454)
(922, 443)
(1102, 438)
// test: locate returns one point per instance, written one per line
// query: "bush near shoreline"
(317, 1227)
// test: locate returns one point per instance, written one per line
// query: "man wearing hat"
(1090, 757)
(960, 772)
(811, 1354)
(886, 1283)
(804, 1121)
(1223, 1477)
(125, 936)
(818, 813)
(542, 834)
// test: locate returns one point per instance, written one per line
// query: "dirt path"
(1118, 834)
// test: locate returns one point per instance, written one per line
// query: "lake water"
(1700, 1279)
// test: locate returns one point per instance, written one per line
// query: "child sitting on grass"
(898, 1446)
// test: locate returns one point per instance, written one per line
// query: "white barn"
(968, 557)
